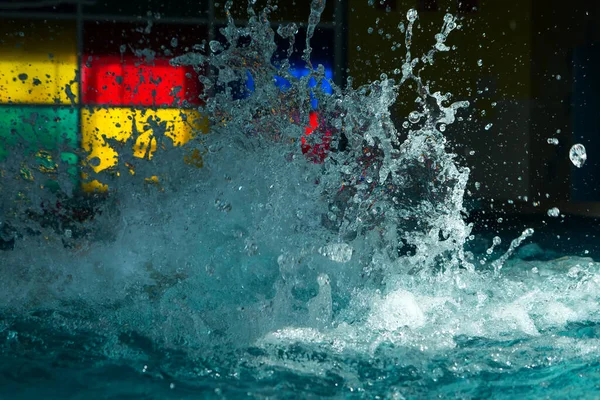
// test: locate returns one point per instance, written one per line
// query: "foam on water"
(305, 256)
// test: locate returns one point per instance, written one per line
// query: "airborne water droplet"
(411, 15)
(414, 117)
(215, 46)
(553, 141)
(488, 127)
(553, 212)
(578, 155)
(480, 63)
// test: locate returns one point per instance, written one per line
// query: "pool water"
(320, 251)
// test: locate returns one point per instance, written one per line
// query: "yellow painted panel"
(38, 81)
(38, 62)
(100, 126)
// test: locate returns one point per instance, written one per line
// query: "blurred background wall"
(78, 76)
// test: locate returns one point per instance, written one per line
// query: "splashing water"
(319, 251)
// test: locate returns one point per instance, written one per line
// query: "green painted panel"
(51, 130)
(40, 128)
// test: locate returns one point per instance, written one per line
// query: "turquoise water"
(341, 265)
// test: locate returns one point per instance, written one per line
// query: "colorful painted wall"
(70, 94)
(80, 83)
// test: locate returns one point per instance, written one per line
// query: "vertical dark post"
(341, 42)
(79, 75)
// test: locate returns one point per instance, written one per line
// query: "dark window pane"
(166, 8)
(388, 5)
(167, 40)
(27, 6)
(467, 6)
(427, 5)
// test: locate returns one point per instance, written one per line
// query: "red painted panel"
(117, 81)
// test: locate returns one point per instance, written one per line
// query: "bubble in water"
(578, 155)
(553, 141)
(411, 15)
(553, 212)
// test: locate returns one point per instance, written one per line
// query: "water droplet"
(553, 141)
(442, 127)
(370, 30)
(411, 15)
(578, 155)
(496, 240)
(488, 127)
(414, 117)
(174, 42)
(215, 46)
(553, 212)
(558, 77)
(480, 63)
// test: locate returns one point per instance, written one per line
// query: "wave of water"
(321, 253)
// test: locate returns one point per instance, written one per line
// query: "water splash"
(296, 238)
